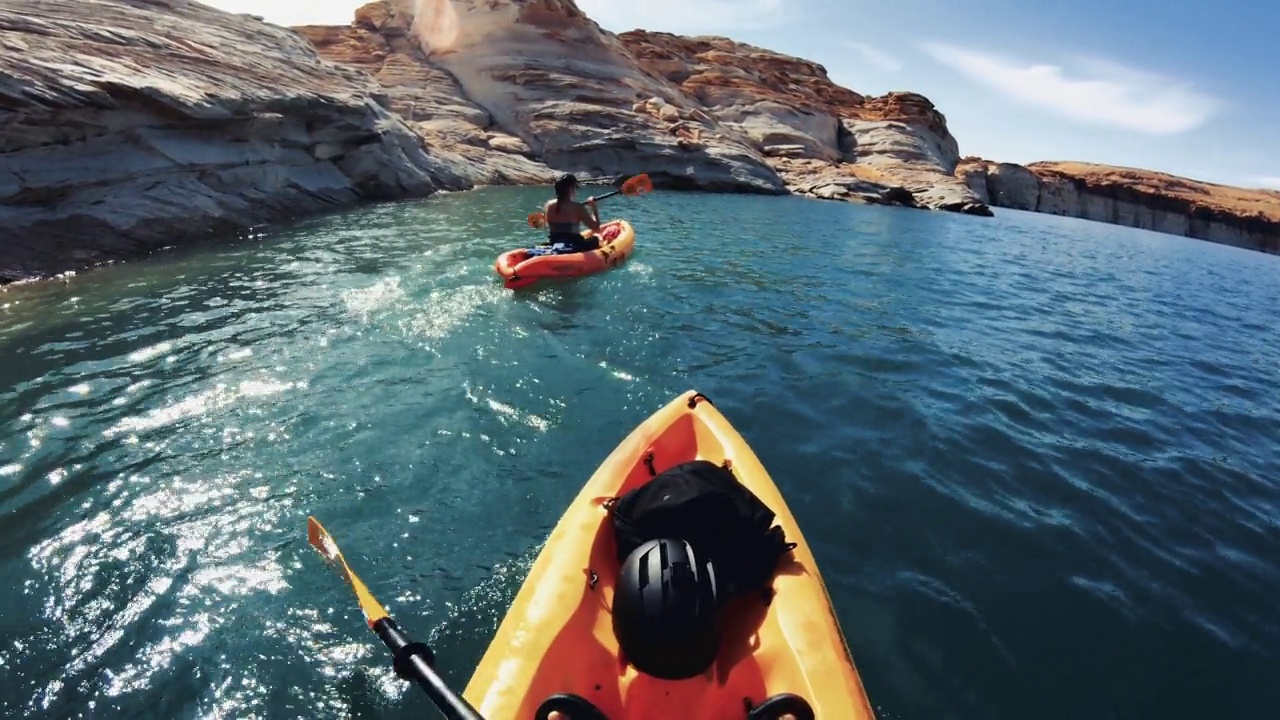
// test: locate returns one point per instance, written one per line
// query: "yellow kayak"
(557, 641)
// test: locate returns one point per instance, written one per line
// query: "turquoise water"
(1036, 458)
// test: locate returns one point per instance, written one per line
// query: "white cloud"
(1098, 91)
(692, 17)
(1269, 181)
(875, 56)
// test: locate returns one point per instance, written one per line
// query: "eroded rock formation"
(548, 82)
(699, 113)
(126, 125)
(1135, 198)
(382, 43)
(133, 124)
(826, 140)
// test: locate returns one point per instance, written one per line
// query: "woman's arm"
(591, 215)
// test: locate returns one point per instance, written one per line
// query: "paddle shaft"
(413, 662)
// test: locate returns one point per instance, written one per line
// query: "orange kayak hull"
(557, 637)
(517, 268)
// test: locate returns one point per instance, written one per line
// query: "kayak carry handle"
(782, 704)
(571, 706)
(696, 398)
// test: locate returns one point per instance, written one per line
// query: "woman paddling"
(564, 214)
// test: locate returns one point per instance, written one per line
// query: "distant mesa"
(1128, 196)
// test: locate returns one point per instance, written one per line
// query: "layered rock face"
(382, 43)
(1135, 198)
(126, 125)
(826, 140)
(540, 79)
(550, 76)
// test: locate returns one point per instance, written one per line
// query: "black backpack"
(704, 504)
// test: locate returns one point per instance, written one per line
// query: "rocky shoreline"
(130, 125)
(126, 126)
(1131, 197)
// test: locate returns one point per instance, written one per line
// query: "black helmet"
(664, 610)
(564, 183)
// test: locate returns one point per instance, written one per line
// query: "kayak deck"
(557, 637)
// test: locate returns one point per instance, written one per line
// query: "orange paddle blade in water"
(323, 542)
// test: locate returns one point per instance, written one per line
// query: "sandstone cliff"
(826, 140)
(1136, 198)
(126, 125)
(539, 78)
(381, 43)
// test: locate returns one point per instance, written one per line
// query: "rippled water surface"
(1037, 458)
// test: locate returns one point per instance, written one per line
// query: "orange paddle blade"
(323, 542)
(537, 219)
(637, 185)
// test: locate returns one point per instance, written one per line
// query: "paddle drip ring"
(403, 657)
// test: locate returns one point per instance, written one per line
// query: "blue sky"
(1191, 88)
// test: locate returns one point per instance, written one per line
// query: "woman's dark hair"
(564, 184)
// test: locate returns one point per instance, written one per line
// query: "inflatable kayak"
(521, 267)
(557, 648)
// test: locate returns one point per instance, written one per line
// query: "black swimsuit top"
(561, 228)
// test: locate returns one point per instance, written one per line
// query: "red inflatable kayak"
(519, 267)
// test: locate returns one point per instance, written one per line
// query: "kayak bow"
(555, 649)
